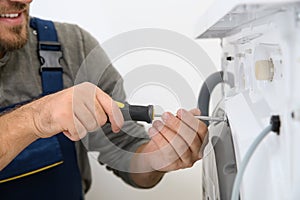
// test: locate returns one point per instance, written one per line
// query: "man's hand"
(175, 144)
(75, 111)
(177, 141)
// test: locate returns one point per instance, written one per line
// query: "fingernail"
(180, 113)
(152, 131)
(116, 130)
(158, 125)
(119, 122)
(165, 116)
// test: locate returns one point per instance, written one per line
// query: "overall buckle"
(50, 54)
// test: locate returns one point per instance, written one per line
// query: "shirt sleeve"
(115, 149)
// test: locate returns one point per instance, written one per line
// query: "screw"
(229, 58)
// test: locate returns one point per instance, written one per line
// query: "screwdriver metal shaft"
(204, 118)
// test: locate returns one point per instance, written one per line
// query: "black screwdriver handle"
(136, 113)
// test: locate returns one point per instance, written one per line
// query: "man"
(174, 142)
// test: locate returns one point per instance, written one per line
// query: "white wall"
(107, 18)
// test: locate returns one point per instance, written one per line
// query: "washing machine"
(260, 77)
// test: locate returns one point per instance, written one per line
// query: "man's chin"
(16, 39)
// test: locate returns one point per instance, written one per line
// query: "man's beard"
(18, 41)
(15, 37)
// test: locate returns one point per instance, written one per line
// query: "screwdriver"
(146, 113)
(136, 112)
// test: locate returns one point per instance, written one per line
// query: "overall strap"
(62, 181)
(49, 51)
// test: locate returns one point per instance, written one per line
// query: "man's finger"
(111, 109)
(165, 155)
(194, 123)
(86, 117)
(176, 125)
(172, 139)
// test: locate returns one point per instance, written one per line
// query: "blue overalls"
(47, 169)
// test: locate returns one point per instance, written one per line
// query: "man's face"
(14, 16)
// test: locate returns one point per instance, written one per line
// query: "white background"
(107, 18)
